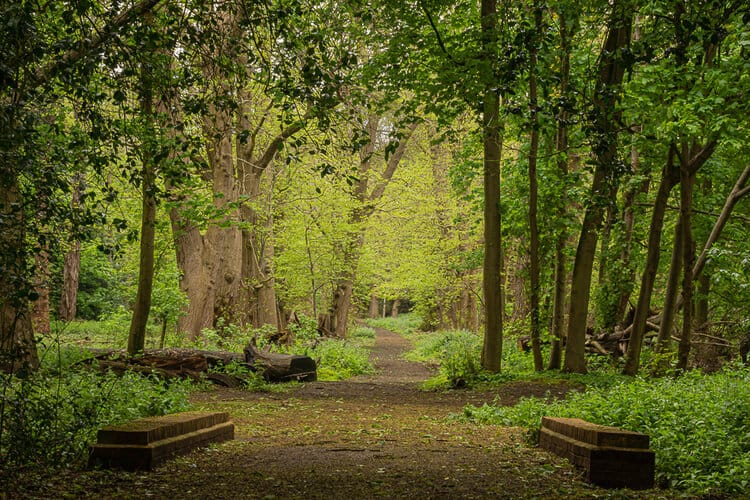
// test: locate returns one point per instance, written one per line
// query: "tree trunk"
(533, 197)
(71, 277)
(41, 306)
(342, 299)
(17, 345)
(687, 182)
(561, 148)
(139, 321)
(669, 179)
(492, 347)
(670, 297)
(394, 308)
(373, 309)
(605, 127)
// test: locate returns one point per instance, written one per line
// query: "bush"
(699, 425)
(50, 420)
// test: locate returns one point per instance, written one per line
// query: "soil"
(368, 437)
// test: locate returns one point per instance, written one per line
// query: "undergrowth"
(50, 417)
(699, 425)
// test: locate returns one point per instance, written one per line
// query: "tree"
(604, 130)
(34, 62)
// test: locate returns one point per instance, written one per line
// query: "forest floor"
(368, 437)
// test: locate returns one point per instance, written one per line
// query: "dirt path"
(370, 437)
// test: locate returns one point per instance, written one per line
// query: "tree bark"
(605, 126)
(664, 337)
(687, 183)
(139, 321)
(71, 278)
(394, 308)
(669, 178)
(17, 346)
(561, 149)
(492, 347)
(41, 306)
(533, 196)
(373, 309)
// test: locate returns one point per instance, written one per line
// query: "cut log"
(281, 367)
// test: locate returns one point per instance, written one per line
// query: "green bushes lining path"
(699, 424)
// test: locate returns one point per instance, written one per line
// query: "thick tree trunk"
(342, 299)
(71, 278)
(394, 308)
(373, 309)
(605, 126)
(17, 346)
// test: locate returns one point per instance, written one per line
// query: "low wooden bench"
(612, 457)
(145, 443)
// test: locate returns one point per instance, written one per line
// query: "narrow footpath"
(374, 436)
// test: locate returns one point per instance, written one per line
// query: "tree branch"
(108, 31)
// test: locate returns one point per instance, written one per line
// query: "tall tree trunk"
(687, 183)
(605, 126)
(492, 347)
(139, 321)
(373, 309)
(394, 308)
(561, 149)
(41, 306)
(670, 296)
(342, 296)
(17, 346)
(533, 196)
(71, 277)
(669, 178)
(71, 266)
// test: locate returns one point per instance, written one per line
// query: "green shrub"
(699, 425)
(51, 420)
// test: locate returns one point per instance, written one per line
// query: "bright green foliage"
(404, 324)
(457, 352)
(699, 425)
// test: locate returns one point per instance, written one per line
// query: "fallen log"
(196, 364)
(281, 367)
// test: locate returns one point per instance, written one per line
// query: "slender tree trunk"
(561, 149)
(669, 178)
(492, 348)
(71, 277)
(533, 197)
(71, 266)
(139, 321)
(670, 296)
(687, 183)
(41, 306)
(605, 124)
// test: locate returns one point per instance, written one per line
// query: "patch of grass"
(699, 425)
(404, 324)
(337, 359)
